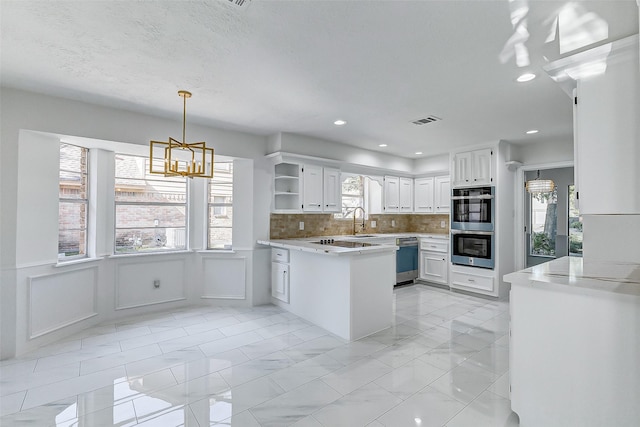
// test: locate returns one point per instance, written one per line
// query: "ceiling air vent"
(240, 3)
(429, 119)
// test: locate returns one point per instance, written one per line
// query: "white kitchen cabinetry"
(424, 195)
(286, 195)
(280, 274)
(474, 279)
(391, 194)
(312, 188)
(406, 195)
(398, 195)
(442, 194)
(332, 190)
(434, 260)
(432, 194)
(472, 168)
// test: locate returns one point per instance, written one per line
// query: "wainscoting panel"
(224, 278)
(61, 299)
(136, 283)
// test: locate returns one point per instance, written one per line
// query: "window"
(73, 202)
(220, 206)
(544, 223)
(352, 196)
(151, 211)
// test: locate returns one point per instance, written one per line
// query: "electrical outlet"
(301, 225)
(156, 283)
(393, 222)
(443, 224)
(373, 224)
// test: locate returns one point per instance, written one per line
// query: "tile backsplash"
(287, 226)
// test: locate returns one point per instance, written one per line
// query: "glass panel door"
(544, 224)
(575, 225)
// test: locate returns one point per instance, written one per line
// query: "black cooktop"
(344, 243)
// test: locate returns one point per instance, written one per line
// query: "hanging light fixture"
(175, 158)
(536, 186)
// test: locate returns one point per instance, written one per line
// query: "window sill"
(76, 261)
(145, 254)
(216, 251)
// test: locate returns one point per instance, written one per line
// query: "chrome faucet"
(354, 219)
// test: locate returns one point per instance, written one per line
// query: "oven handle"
(483, 197)
(482, 233)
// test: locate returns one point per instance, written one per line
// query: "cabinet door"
(462, 169)
(423, 195)
(406, 195)
(433, 267)
(482, 166)
(332, 193)
(312, 188)
(280, 281)
(391, 194)
(442, 199)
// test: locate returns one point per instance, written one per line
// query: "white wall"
(351, 156)
(431, 165)
(544, 151)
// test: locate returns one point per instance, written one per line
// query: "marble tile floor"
(445, 362)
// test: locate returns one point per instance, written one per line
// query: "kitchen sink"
(360, 236)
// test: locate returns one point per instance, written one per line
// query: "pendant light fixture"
(537, 186)
(175, 158)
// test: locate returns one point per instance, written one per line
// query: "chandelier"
(537, 186)
(175, 158)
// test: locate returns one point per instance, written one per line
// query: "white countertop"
(571, 273)
(306, 244)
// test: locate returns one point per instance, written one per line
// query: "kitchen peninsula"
(345, 290)
(575, 343)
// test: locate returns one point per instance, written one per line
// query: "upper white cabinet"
(442, 194)
(406, 195)
(312, 188)
(391, 194)
(286, 195)
(423, 195)
(306, 188)
(332, 190)
(321, 189)
(472, 168)
(432, 194)
(398, 194)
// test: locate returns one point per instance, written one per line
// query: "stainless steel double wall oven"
(473, 226)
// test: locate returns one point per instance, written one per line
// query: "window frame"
(225, 206)
(81, 201)
(344, 213)
(149, 178)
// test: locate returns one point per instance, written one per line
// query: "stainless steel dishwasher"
(406, 260)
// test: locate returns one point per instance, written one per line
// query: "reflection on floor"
(445, 362)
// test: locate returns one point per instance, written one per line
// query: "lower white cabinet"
(280, 274)
(433, 267)
(474, 279)
(434, 260)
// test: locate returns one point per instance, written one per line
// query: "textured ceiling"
(296, 66)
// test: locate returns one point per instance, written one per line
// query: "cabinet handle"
(471, 280)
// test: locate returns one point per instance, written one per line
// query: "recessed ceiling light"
(532, 131)
(418, 152)
(526, 77)
(340, 123)
(382, 145)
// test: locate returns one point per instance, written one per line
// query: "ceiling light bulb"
(418, 152)
(526, 77)
(340, 122)
(382, 145)
(532, 131)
